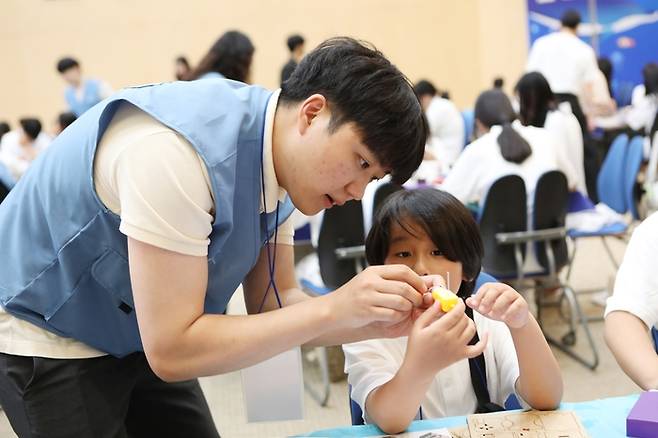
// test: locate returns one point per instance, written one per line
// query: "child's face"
(418, 252)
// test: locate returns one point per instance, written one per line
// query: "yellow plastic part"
(446, 297)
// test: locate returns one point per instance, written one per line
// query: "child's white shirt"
(370, 364)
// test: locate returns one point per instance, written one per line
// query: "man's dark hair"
(445, 220)
(294, 41)
(4, 128)
(230, 56)
(571, 19)
(362, 87)
(536, 99)
(494, 108)
(66, 64)
(31, 127)
(498, 83)
(65, 119)
(424, 88)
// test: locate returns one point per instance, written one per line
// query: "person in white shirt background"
(501, 148)
(446, 126)
(632, 310)
(538, 108)
(570, 67)
(20, 147)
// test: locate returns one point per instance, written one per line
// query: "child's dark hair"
(362, 87)
(445, 220)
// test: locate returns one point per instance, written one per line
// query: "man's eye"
(363, 163)
(402, 254)
(436, 252)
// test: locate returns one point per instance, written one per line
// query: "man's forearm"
(331, 336)
(215, 344)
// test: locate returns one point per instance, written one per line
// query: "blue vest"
(64, 262)
(90, 96)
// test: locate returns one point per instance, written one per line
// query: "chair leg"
(565, 344)
(572, 258)
(610, 255)
(322, 397)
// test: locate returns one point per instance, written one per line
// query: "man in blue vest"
(81, 93)
(124, 242)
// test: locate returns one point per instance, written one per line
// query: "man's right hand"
(380, 294)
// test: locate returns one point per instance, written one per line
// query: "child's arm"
(540, 380)
(628, 338)
(435, 342)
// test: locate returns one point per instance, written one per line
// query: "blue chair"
(654, 334)
(610, 184)
(469, 125)
(356, 414)
(632, 167)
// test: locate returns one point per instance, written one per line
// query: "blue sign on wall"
(624, 31)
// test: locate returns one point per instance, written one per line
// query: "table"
(604, 418)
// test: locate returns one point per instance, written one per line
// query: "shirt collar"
(273, 192)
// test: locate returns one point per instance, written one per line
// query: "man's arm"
(629, 340)
(256, 282)
(181, 342)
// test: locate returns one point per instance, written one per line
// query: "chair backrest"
(342, 226)
(383, 191)
(610, 181)
(469, 125)
(654, 334)
(504, 211)
(550, 211)
(631, 169)
(4, 191)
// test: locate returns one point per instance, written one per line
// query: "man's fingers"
(433, 280)
(392, 301)
(401, 289)
(402, 273)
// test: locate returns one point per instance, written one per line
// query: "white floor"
(592, 269)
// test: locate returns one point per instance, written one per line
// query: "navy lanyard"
(271, 258)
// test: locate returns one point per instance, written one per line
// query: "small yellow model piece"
(447, 298)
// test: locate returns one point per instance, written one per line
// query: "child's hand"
(439, 339)
(500, 302)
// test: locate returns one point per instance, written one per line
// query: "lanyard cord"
(271, 259)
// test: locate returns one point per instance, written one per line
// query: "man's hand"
(380, 294)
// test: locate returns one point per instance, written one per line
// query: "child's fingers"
(478, 348)
(431, 314)
(487, 299)
(502, 304)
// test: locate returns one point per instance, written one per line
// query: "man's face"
(72, 76)
(330, 168)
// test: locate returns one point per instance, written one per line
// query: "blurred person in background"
(81, 93)
(22, 146)
(181, 68)
(295, 45)
(230, 58)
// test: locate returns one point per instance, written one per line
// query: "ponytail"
(513, 147)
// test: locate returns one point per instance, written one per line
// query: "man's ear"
(309, 110)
